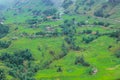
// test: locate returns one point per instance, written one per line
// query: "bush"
(59, 69)
(115, 35)
(87, 31)
(80, 60)
(5, 44)
(67, 3)
(50, 12)
(3, 30)
(99, 13)
(117, 54)
(20, 64)
(88, 39)
(2, 74)
(48, 2)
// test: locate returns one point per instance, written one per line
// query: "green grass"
(96, 52)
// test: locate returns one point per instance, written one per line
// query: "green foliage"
(69, 29)
(50, 12)
(64, 49)
(116, 35)
(99, 13)
(117, 53)
(80, 60)
(32, 21)
(2, 74)
(114, 1)
(20, 64)
(3, 30)
(88, 39)
(4, 44)
(67, 3)
(102, 23)
(59, 69)
(48, 2)
(18, 58)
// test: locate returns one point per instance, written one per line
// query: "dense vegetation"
(3, 30)
(20, 63)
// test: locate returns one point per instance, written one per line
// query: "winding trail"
(113, 68)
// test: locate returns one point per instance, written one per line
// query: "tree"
(3, 30)
(50, 12)
(116, 34)
(64, 49)
(2, 74)
(20, 64)
(48, 2)
(80, 60)
(99, 13)
(117, 54)
(67, 3)
(5, 44)
(59, 69)
(69, 30)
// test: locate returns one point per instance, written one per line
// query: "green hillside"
(60, 40)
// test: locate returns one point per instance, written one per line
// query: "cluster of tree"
(67, 3)
(81, 23)
(86, 31)
(64, 52)
(64, 49)
(115, 34)
(100, 13)
(4, 44)
(90, 3)
(101, 24)
(50, 12)
(33, 23)
(48, 2)
(40, 33)
(21, 64)
(3, 30)
(36, 12)
(2, 74)
(80, 60)
(114, 1)
(52, 33)
(69, 30)
(88, 39)
(117, 53)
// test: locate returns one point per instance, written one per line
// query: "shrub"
(115, 35)
(87, 31)
(80, 60)
(3, 30)
(99, 13)
(117, 54)
(59, 69)
(20, 64)
(88, 39)
(50, 12)
(2, 74)
(67, 3)
(5, 44)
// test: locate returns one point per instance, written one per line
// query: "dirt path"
(113, 68)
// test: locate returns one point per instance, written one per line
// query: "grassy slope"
(96, 53)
